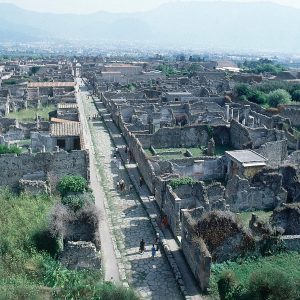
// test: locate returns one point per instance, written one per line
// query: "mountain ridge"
(219, 25)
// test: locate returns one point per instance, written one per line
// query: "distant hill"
(217, 25)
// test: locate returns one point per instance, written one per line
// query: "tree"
(72, 184)
(278, 97)
(244, 90)
(296, 95)
(258, 97)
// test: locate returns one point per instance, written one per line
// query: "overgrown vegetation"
(168, 70)
(29, 270)
(72, 184)
(274, 277)
(268, 94)
(77, 201)
(177, 182)
(9, 81)
(262, 66)
(9, 150)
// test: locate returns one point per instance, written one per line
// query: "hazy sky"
(86, 6)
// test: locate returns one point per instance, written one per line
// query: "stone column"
(227, 112)
(43, 149)
(231, 114)
(251, 122)
(246, 114)
(238, 116)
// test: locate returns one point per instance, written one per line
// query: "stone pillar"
(231, 114)
(238, 116)
(227, 112)
(39, 104)
(211, 147)
(43, 149)
(7, 108)
(37, 121)
(246, 114)
(251, 122)
(29, 150)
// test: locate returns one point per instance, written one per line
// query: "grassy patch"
(177, 153)
(286, 262)
(245, 217)
(29, 114)
(21, 263)
(27, 271)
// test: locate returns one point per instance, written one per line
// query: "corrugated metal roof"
(65, 129)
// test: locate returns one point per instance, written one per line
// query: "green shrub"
(244, 90)
(177, 182)
(10, 150)
(77, 201)
(258, 97)
(226, 284)
(271, 284)
(296, 95)
(72, 184)
(278, 97)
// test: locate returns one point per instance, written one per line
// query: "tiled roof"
(65, 129)
(66, 105)
(51, 84)
(57, 120)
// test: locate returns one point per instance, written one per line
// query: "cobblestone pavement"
(151, 277)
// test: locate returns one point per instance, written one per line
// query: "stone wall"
(260, 136)
(292, 112)
(40, 139)
(291, 242)
(264, 193)
(5, 123)
(202, 168)
(239, 135)
(195, 252)
(188, 136)
(274, 152)
(294, 158)
(54, 165)
(245, 137)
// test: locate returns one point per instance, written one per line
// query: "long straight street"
(151, 277)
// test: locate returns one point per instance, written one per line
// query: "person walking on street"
(141, 181)
(153, 251)
(142, 246)
(157, 241)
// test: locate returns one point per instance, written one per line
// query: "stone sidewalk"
(183, 275)
(151, 277)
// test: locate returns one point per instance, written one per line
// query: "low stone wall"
(292, 242)
(54, 165)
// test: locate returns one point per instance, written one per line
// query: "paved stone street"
(151, 277)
